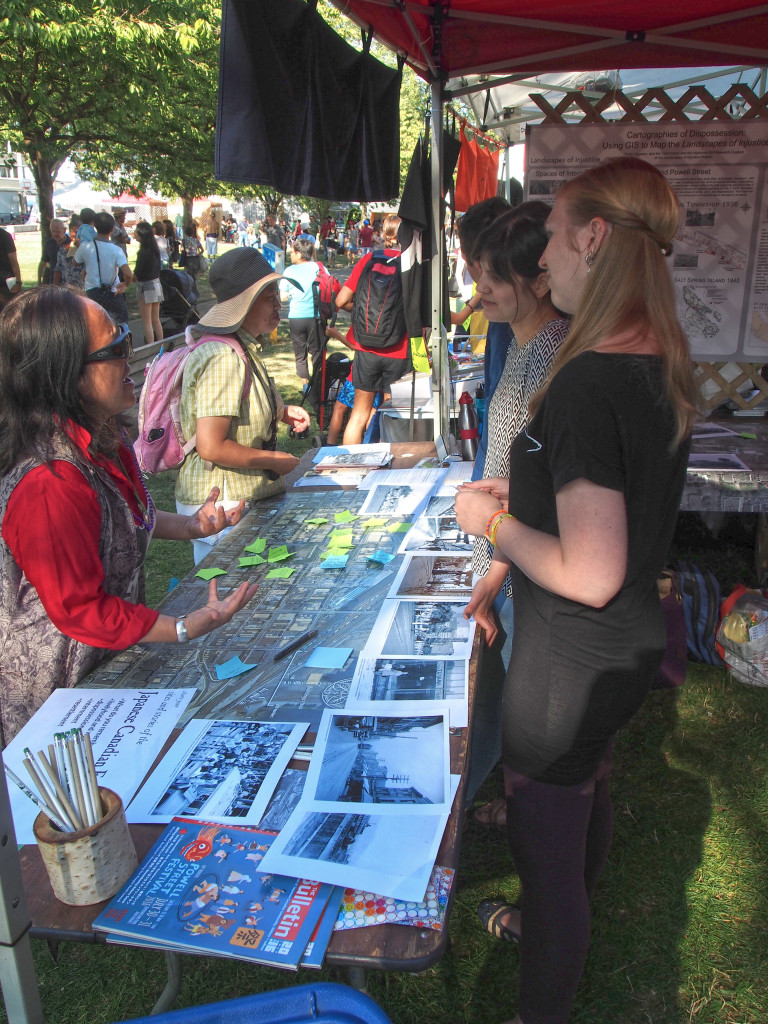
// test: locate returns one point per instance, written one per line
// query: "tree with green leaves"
(98, 80)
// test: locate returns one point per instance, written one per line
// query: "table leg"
(171, 990)
(358, 979)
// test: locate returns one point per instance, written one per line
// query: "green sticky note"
(317, 521)
(345, 517)
(279, 554)
(209, 574)
(251, 560)
(281, 573)
(256, 546)
(398, 527)
(370, 523)
(749, 437)
(340, 542)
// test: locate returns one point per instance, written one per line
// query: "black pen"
(295, 644)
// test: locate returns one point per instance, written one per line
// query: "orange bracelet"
(495, 528)
(489, 524)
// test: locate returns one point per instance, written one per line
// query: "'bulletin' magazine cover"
(199, 890)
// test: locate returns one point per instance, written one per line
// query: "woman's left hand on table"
(474, 508)
(210, 519)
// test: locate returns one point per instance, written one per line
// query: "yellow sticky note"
(398, 527)
(340, 536)
(369, 524)
(345, 517)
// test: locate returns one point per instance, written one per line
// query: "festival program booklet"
(199, 890)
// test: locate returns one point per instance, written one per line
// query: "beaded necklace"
(146, 519)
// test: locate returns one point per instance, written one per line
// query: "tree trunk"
(44, 174)
(186, 215)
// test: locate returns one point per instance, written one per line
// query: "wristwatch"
(181, 631)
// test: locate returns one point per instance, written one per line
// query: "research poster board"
(720, 260)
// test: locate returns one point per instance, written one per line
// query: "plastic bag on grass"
(742, 637)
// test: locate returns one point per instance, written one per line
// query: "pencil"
(37, 801)
(72, 762)
(92, 776)
(48, 799)
(71, 814)
(294, 645)
(90, 810)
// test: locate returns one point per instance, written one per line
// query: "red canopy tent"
(448, 40)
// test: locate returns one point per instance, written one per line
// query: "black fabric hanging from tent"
(417, 237)
(301, 110)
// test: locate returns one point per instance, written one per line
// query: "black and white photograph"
(442, 577)
(394, 761)
(723, 462)
(400, 500)
(441, 534)
(416, 686)
(391, 855)
(219, 770)
(421, 629)
(705, 430)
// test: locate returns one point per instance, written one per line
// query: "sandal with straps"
(491, 912)
(493, 813)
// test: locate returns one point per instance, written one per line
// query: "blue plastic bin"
(324, 1003)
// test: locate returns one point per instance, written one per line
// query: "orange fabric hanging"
(466, 173)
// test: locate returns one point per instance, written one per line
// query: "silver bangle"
(181, 632)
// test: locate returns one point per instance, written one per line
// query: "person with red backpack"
(373, 293)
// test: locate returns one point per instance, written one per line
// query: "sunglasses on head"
(120, 347)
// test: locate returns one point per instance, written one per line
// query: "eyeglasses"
(120, 347)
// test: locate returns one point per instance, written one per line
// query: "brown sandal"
(493, 813)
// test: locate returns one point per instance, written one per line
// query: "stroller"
(177, 310)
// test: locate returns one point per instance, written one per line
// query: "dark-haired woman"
(585, 517)
(147, 274)
(514, 290)
(173, 242)
(75, 515)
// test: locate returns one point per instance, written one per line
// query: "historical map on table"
(342, 604)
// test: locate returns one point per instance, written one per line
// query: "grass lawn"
(679, 920)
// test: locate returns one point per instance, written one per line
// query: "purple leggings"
(560, 837)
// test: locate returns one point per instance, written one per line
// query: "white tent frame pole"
(439, 348)
(17, 972)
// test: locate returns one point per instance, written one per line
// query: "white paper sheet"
(128, 729)
(391, 855)
(394, 763)
(219, 770)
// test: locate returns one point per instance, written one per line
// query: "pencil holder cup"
(90, 865)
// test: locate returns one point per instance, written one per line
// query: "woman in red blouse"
(75, 515)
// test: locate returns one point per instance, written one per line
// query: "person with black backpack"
(374, 295)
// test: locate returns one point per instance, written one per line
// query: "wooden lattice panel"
(729, 389)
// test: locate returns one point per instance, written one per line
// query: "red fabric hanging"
(466, 173)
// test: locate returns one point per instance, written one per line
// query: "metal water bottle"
(468, 431)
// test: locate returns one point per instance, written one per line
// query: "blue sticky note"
(233, 667)
(380, 556)
(328, 657)
(335, 562)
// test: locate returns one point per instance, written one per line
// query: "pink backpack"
(161, 443)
